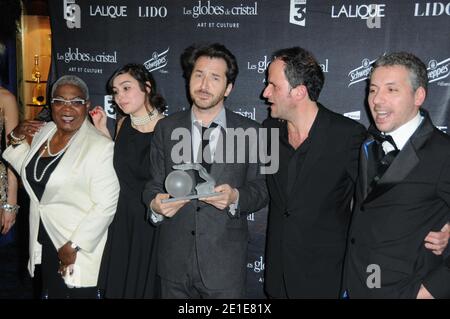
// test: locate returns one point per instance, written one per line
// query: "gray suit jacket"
(220, 240)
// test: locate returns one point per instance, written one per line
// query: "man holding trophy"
(203, 237)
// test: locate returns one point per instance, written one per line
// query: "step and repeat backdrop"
(93, 38)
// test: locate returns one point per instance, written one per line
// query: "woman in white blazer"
(66, 168)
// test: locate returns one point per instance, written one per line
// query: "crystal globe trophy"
(179, 184)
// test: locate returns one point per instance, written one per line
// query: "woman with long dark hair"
(129, 262)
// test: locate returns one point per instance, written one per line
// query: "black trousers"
(53, 286)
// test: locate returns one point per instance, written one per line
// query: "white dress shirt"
(220, 120)
(402, 134)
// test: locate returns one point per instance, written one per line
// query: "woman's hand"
(99, 118)
(67, 256)
(28, 129)
(7, 221)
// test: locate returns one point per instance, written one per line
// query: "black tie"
(206, 148)
(379, 162)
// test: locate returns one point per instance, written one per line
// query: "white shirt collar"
(220, 119)
(402, 134)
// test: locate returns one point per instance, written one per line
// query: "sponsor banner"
(73, 9)
(109, 11)
(370, 13)
(439, 71)
(297, 12)
(361, 73)
(72, 14)
(362, 11)
(247, 112)
(157, 62)
(432, 9)
(75, 55)
(220, 14)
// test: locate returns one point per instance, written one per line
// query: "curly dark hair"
(142, 75)
(302, 69)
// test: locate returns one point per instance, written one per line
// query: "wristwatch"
(75, 246)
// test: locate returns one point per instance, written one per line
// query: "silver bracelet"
(17, 139)
(11, 209)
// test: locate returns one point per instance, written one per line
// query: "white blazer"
(79, 200)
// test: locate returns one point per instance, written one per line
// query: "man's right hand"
(437, 241)
(166, 209)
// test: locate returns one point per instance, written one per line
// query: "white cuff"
(156, 218)
(233, 207)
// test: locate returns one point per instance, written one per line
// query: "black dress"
(129, 261)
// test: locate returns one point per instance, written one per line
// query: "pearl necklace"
(47, 147)
(142, 120)
(58, 155)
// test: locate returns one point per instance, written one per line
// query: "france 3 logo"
(109, 107)
(72, 14)
(297, 13)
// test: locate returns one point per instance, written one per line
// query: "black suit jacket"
(306, 233)
(391, 221)
(220, 241)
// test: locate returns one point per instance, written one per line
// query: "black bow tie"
(380, 137)
(378, 161)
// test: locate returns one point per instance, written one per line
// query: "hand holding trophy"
(179, 183)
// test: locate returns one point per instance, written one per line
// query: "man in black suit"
(311, 194)
(403, 190)
(203, 243)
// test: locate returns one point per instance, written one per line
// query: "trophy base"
(176, 199)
